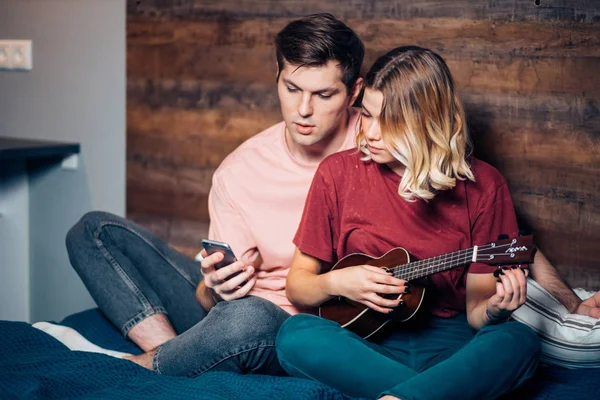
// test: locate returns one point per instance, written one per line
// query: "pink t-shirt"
(255, 204)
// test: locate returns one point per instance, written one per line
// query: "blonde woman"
(412, 184)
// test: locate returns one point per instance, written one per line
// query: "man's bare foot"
(144, 360)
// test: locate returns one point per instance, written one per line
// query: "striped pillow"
(568, 340)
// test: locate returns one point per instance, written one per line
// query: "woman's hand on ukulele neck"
(511, 293)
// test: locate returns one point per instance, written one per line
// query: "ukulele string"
(436, 264)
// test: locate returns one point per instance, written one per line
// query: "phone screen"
(212, 246)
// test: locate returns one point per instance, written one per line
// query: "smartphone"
(212, 246)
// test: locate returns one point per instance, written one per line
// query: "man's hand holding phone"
(231, 281)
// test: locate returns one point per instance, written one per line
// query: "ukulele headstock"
(519, 250)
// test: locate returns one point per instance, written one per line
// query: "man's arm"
(548, 277)
(204, 296)
(226, 225)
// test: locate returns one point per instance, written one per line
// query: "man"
(151, 292)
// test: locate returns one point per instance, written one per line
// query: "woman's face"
(371, 110)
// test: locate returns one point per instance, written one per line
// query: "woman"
(412, 184)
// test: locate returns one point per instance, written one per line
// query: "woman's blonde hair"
(422, 121)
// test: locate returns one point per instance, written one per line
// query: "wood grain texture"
(512, 56)
(454, 35)
(183, 235)
(201, 80)
(168, 191)
(525, 75)
(568, 10)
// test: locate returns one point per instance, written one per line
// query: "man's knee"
(249, 319)
(84, 231)
(86, 226)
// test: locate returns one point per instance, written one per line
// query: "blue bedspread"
(33, 365)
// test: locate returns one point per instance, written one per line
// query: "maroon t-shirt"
(353, 206)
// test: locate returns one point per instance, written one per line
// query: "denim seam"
(139, 235)
(200, 371)
(141, 316)
(155, 363)
(117, 267)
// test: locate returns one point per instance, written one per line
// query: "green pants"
(445, 360)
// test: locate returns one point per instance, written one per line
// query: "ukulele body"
(361, 319)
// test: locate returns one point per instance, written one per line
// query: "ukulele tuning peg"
(524, 268)
(503, 236)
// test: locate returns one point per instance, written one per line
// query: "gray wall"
(76, 93)
(14, 241)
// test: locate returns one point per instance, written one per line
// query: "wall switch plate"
(16, 55)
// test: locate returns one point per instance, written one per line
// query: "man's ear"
(276, 71)
(356, 89)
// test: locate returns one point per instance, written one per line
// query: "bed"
(33, 365)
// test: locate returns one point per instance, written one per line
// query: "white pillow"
(568, 340)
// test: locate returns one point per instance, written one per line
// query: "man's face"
(314, 101)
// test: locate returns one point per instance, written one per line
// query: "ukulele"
(365, 321)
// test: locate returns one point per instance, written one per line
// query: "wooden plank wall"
(201, 80)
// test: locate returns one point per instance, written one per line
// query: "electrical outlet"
(4, 55)
(16, 55)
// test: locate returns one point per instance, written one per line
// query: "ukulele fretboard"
(430, 266)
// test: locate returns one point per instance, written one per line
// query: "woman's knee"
(518, 336)
(302, 336)
(295, 327)
(528, 338)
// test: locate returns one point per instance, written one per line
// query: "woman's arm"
(491, 302)
(308, 286)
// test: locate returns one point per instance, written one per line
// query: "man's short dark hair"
(318, 38)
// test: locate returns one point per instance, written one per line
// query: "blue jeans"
(445, 360)
(131, 274)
